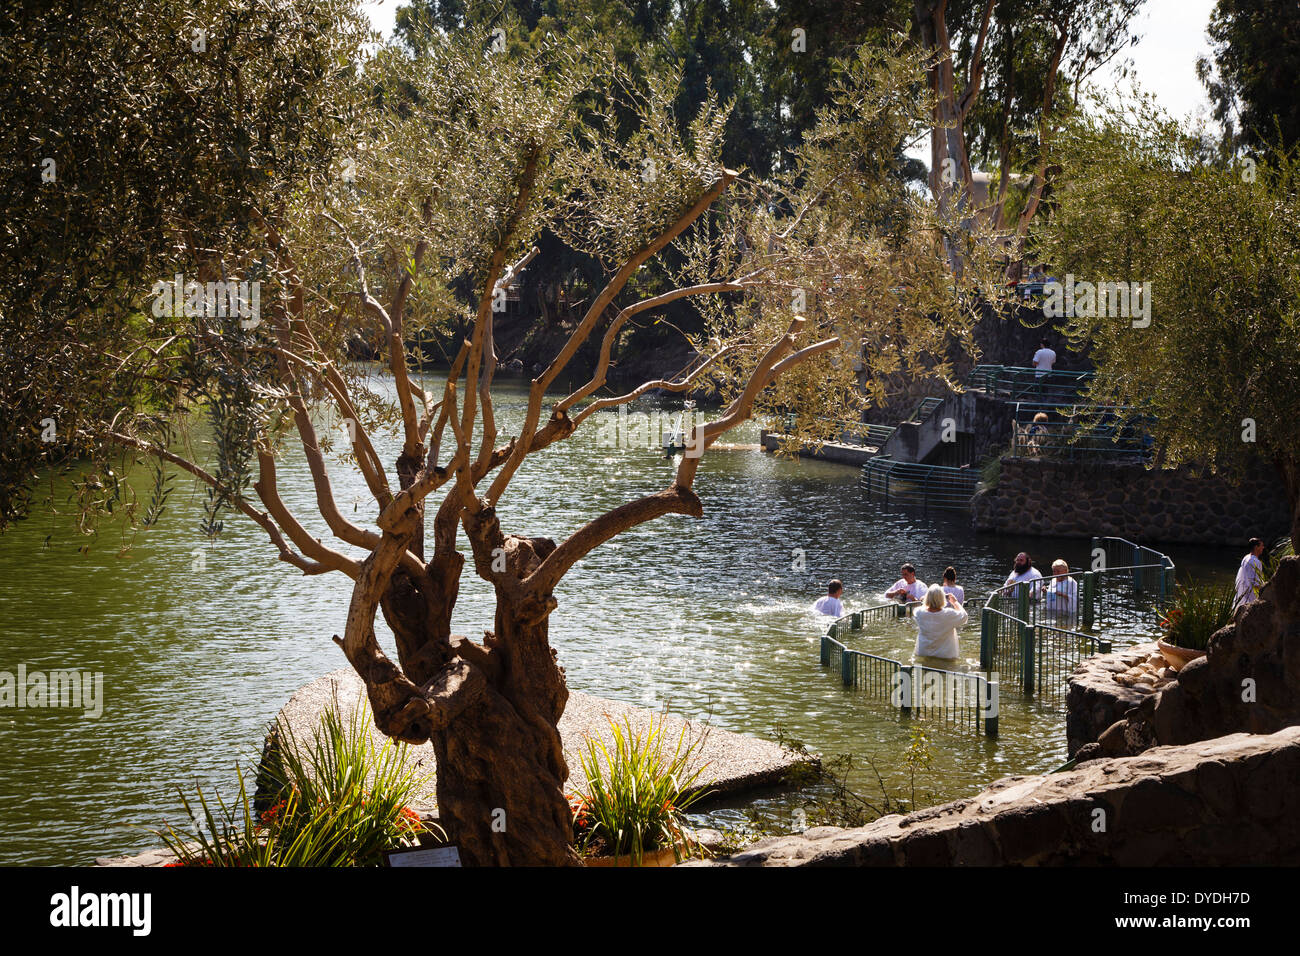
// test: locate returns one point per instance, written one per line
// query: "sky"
(1164, 59)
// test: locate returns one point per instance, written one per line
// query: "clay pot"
(661, 857)
(1178, 657)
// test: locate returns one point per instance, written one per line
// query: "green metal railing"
(1081, 441)
(852, 433)
(1028, 384)
(922, 410)
(1041, 631)
(955, 700)
(889, 481)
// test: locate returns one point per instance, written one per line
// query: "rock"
(1170, 805)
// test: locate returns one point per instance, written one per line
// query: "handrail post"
(1089, 598)
(846, 667)
(826, 650)
(904, 677)
(1022, 602)
(986, 639)
(991, 708)
(1027, 658)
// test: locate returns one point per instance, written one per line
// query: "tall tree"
(131, 130)
(463, 158)
(1142, 200)
(1251, 72)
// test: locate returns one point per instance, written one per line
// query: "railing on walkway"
(889, 481)
(956, 700)
(1040, 631)
(1028, 384)
(922, 410)
(852, 433)
(1077, 441)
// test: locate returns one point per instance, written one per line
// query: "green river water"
(200, 644)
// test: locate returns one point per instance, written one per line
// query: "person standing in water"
(950, 585)
(937, 624)
(831, 603)
(907, 588)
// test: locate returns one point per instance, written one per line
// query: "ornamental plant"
(638, 792)
(337, 800)
(1198, 610)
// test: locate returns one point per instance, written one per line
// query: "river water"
(200, 643)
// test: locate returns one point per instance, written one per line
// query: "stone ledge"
(1214, 803)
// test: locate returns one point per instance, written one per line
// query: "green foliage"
(338, 800)
(1251, 73)
(828, 797)
(141, 139)
(1141, 199)
(637, 792)
(1196, 612)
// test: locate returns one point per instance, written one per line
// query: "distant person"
(1036, 434)
(937, 623)
(1060, 591)
(1250, 576)
(831, 603)
(1023, 572)
(1044, 359)
(907, 588)
(950, 585)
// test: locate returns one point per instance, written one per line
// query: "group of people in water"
(942, 612)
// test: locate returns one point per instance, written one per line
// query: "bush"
(338, 801)
(637, 793)
(1198, 611)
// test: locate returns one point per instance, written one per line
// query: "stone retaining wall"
(1094, 701)
(1229, 801)
(1071, 499)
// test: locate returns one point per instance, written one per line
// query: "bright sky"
(1172, 36)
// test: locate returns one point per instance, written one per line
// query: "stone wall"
(1068, 499)
(1249, 681)
(1095, 700)
(1223, 802)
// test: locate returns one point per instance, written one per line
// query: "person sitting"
(937, 623)
(1060, 592)
(950, 585)
(831, 603)
(1250, 575)
(907, 588)
(1036, 434)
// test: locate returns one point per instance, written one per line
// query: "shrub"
(338, 801)
(1198, 610)
(637, 792)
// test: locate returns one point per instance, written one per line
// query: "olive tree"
(812, 285)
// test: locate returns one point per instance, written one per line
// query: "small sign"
(431, 856)
(423, 856)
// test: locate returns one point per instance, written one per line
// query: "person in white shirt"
(907, 588)
(1251, 574)
(1060, 591)
(936, 625)
(950, 585)
(1044, 359)
(1024, 572)
(831, 603)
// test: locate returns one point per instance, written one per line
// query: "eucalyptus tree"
(1251, 72)
(1216, 358)
(810, 284)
